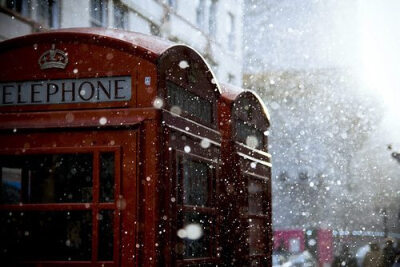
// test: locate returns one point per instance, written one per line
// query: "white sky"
(360, 35)
(379, 43)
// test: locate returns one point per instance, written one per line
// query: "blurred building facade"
(212, 27)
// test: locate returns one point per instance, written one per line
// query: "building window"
(231, 78)
(172, 3)
(200, 14)
(155, 30)
(98, 13)
(120, 16)
(231, 31)
(49, 13)
(212, 22)
(21, 6)
(46, 235)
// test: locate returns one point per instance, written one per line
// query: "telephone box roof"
(229, 92)
(232, 94)
(149, 47)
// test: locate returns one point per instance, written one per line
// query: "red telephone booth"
(246, 176)
(190, 222)
(109, 147)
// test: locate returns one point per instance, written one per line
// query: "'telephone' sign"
(93, 90)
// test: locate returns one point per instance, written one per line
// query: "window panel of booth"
(46, 178)
(107, 181)
(201, 265)
(46, 235)
(198, 227)
(246, 133)
(195, 183)
(257, 236)
(260, 261)
(189, 103)
(257, 204)
(257, 196)
(48, 207)
(196, 214)
(106, 235)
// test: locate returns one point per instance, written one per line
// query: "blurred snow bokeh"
(326, 70)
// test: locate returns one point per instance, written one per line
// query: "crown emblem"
(53, 58)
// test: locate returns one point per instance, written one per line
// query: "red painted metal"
(325, 246)
(282, 239)
(150, 144)
(323, 238)
(238, 170)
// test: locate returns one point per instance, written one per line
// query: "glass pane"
(43, 11)
(259, 262)
(189, 102)
(98, 12)
(197, 240)
(45, 235)
(257, 237)
(195, 183)
(249, 135)
(10, 187)
(107, 181)
(257, 196)
(120, 16)
(106, 235)
(212, 264)
(46, 178)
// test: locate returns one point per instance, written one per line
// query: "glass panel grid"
(257, 196)
(257, 236)
(107, 174)
(198, 242)
(196, 214)
(244, 131)
(45, 235)
(46, 178)
(31, 178)
(106, 235)
(192, 104)
(195, 183)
